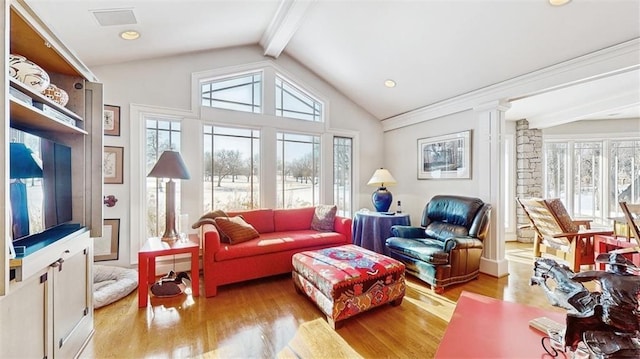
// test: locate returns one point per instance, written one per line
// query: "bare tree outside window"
(231, 171)
(578, 165)
(624, 174)
(342, 174)
(298, 170)
(161, 135)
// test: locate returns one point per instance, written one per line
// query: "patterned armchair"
(558, 235)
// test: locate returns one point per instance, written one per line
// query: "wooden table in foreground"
(483, 327)
(153, 248)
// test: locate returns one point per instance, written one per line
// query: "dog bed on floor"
(112, 283)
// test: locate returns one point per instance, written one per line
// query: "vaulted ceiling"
(433, 49)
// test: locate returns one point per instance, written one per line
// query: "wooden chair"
(631, 213)
(558, 235)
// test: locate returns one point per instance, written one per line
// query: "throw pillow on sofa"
(324, 217)
(236, 229)
(209, 218)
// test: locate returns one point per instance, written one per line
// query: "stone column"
(528, 173)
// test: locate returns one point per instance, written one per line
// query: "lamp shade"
(382, 177)
(170, 165)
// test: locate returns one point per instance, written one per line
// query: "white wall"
(401, 158)
(166, 83)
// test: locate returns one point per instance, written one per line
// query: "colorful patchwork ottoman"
(346, 280)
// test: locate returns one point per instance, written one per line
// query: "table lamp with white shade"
(382, 198)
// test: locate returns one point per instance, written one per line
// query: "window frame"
(295, 86)
(229, 77)
(204, 124)
(605, 209)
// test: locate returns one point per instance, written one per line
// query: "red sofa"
(283, 232)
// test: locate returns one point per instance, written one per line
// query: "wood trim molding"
(596, 65)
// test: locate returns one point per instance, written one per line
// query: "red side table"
(154, 247)
(606, 244)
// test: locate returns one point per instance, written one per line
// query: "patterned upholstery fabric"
(236, 229)
(323, 218)
(346, 280)
(557, 208)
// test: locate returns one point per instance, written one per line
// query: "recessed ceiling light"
(390, 83)
(558, 2)
(130, 35)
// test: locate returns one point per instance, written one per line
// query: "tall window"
(231, 173)
(342, 174)
(623, 174)
(294, 103)
(231, 168)
(161, 135)
(298, 170)
(238, 93)
(591, 177)
(587, 184)
(555, 157)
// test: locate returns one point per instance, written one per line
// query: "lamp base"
(170, 234)
(169, 238)
(382, 199)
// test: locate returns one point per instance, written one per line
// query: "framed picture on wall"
(111, 123)
(113, 164)
(106, 247)
(446, 156)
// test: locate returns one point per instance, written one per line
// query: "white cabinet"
(23, 316)
(49, 314)
(71, 286)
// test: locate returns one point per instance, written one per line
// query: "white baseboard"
(494, 268)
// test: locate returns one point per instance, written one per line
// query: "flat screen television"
(40, 185)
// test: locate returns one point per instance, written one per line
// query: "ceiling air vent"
(115, 17)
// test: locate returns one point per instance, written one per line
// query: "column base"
(494, 268)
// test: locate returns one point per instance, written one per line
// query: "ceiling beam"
(588, 108)
(283, 25)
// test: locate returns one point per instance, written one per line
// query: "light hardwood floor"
(259, 319)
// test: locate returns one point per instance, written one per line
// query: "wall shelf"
(29, 118)
(44, 99)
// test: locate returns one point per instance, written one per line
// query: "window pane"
(624, 174)
(238, 93)
(161, 135)
(298, 170)
(293, 102)
(231, 171)
(342, 175)
(586, 180)
(555, 156)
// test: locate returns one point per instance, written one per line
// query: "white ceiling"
(433, 49)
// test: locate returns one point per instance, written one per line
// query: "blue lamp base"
(382, 199)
